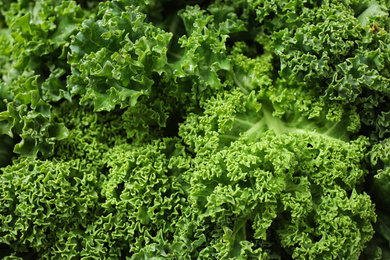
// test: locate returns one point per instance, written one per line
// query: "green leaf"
(115, 57)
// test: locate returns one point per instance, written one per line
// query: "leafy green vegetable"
(220, 129)
(259, 170)
(115, 56)
(34, 75)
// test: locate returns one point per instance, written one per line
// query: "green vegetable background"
(172, 129)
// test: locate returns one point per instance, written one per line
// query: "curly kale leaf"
(199, 62)
(38, 37)
(340, 61)
(265, 180)
(122, 203)
(116, 56)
